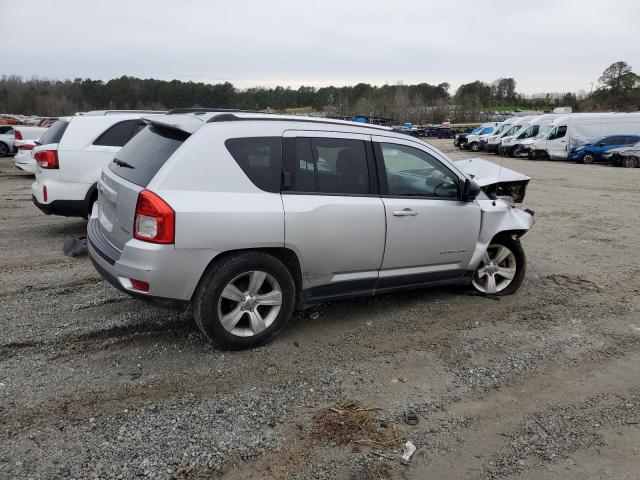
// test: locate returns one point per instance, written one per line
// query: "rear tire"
(225, 294)
(492, 275)
(4, 150)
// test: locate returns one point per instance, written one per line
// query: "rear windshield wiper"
(122, 163)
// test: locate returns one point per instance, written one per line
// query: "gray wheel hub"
(250, 303)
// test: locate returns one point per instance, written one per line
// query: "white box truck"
(571, 131)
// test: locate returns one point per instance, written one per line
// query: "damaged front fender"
(498, 217)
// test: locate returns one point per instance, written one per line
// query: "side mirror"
(470, 189)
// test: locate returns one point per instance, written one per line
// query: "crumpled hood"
(487, 173)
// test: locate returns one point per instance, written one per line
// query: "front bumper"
(491, 147)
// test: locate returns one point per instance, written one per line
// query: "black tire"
(588, 159)
(474, 147)
(521, 263)
(512, 151)
(463, 145)
(532, 155)
(4, 149)
(629, 161)
(205, 301)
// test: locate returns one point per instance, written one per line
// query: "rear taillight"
(155, 219)
(26, 146)
(47, 158)
(17, 135)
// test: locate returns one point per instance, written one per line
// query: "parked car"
(568, 132)
(71, 156)
(627, 156)
(248, 215)
(24, 158)
(7, 140)
(593, 152)
(515, 126)
(501, 129)
(471, 140)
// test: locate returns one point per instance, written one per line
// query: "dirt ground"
(541, 384)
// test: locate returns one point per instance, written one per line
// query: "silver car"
(250, 215)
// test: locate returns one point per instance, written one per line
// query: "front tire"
(244, 300)
(502, 268)
(588, 159)
(475, 146)
(629, 162)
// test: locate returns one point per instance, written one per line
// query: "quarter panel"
(226, 220)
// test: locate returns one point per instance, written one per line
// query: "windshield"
(511, 131)
(501, 128)
(543, 132)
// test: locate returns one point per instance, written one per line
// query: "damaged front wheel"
(502, 268)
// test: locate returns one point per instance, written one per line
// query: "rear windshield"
(54, 133)
(141, 158)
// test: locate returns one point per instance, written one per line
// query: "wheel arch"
(285, 255)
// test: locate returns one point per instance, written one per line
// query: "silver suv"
(250, 215)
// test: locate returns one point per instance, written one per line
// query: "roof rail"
(177, 111)
(230, 117)
(96, 113)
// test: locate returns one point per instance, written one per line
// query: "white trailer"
(571, 131)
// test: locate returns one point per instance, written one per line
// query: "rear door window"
(54, 133)
(120, 133)
(329, 165)
(260, 158)
(141, 158)
(5, 130)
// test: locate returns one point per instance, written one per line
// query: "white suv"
(71, 155)
(247, 215)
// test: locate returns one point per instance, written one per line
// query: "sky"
(546, 45)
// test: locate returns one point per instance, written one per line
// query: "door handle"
(405, 212)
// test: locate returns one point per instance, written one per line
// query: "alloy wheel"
(249, 303)
(496, 270)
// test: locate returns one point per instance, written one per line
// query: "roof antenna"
(495, 194)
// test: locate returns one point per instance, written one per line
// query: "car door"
(431, 231)
(557, 142)
(334, 216)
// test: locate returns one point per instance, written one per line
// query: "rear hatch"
(51, 137)
(129, 173)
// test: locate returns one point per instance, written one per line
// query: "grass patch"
(353, 424)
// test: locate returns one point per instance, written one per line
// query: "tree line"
(618, 89)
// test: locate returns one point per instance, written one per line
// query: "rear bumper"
(65, 208)
(171, 273)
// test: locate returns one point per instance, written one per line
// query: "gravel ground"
(541, 384)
